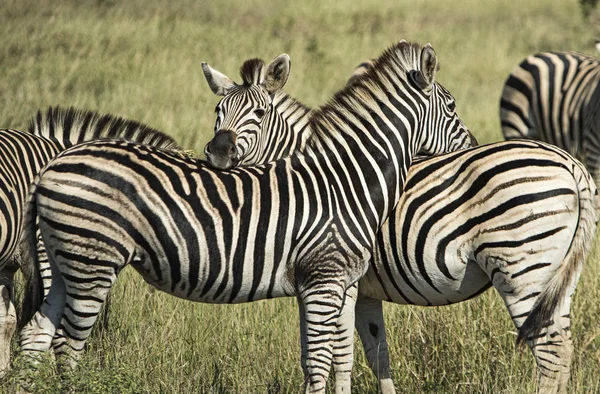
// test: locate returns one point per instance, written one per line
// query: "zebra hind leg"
(85, 296)
(552, 350)
(37, 334)
(370, 327)
(549, 338)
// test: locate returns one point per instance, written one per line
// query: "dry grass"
(141, 60)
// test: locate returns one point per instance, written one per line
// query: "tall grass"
(141, 60)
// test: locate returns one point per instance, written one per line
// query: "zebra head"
(243, 108)
(439, 111)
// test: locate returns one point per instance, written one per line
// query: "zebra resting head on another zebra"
(239, 138)
(262, 85)
(302, 226)
(516, 215)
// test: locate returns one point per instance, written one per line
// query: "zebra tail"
(547, 310)
(34, 288)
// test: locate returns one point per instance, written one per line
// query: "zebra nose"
(221, 151)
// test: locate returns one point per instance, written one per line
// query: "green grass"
(141, 60)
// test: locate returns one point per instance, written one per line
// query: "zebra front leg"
(322, 304)
(343, 344)
(8, 316)
(371, 329)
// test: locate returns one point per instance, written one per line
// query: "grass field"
(141, 60)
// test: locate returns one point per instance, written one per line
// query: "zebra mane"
(252, 71)
(395, 63)
(77, 126)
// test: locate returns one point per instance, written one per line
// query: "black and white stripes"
(22, 155)
(301, 226)
(555, 97)
(504, 214)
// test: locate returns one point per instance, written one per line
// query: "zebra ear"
(219, 83)
(428, 65)
(277, 74)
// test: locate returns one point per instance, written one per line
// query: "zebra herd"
(341, 207)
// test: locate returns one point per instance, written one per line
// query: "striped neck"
(285, 131)
(72, 126)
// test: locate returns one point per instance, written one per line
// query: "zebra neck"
(372, 158)
(287, 131)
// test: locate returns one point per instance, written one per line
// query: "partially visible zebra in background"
(302, 226)
(555, 97)
(516, 215)
(22, 155)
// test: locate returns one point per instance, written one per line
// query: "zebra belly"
(396, 283)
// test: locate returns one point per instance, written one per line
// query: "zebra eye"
(452, 105)
(259, 112)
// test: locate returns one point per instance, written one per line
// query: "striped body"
(22, 155)
(475, 216)
(555, 97)
(508, 214)
(303, 226)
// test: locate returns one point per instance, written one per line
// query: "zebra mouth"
(221, 162)
(221, 152)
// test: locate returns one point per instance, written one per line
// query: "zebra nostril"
(232, 151)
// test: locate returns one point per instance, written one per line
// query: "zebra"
(22, 155)
(302, 226)
(555, 97)
(504, 214)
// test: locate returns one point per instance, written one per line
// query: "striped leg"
(343, 345)
(552, 348)
(8, 316)
(370, 327)
(322, 304)
(84, 301)
(36, 336)
(552, 351)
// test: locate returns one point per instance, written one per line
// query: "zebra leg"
(8, 316)
(322, 304)
(303, 338)
(552, 348)
(37, 334)
(84, 300)
(343, 346)
(371, 329)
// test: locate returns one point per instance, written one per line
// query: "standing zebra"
(516, 215)
(22, 155)
(555, 97)
(302, 226)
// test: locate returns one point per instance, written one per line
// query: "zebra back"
(554, 97)
(71, 126)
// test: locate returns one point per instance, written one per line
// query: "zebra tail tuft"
(547, 310)
(34, 289)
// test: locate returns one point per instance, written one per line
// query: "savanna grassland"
(141, 60)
